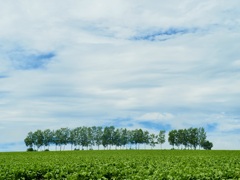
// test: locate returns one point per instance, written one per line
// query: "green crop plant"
(121, 164)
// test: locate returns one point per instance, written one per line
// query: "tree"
(117, 138)
(172, 137)
(71, 139)
(180, 137)
(124, 137)
(98, 137)
(161, 137)
(185, 138)
(108, 136)
(90, 137)
(146, 138)
(137, 137)
(201, 137)
(29, 141)
(57, 138)
(61, 137)
(130, 138)
(140, 137)
(193, 137)
(111, 133)
(207, 145)
(47, 137)
(77, 137)
(94, 134)
(153, 140)
(38, 137)
(65, 136)
(84, 137)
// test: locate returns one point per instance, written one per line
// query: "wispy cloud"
(25, 60)
(162, 35)
(130, 64)
(3, 76)
(3, 93)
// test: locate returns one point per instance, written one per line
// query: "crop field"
(121, 164)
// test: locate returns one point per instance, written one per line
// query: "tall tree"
(107, 137)
(172, 137)
(77, 137)
(38, 136)
(111, 133)
(180, 137)
(90, 133)
(130, 138)
(57, 138)
(193, 137)
(84, 136)
(65, 136)
(29, 140)
(47, 137)
(146, 138)
(201, 136)
(124, 137)
(98, 137)
(138, 137)
(71, 139)
(153, 140)
(161, 137)
(185, 138)
(94, 134)
(117, 138)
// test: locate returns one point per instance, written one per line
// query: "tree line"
(189, 138)
(107, 137)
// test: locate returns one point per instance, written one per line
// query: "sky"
(128, 63)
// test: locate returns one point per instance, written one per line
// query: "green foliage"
(141, 164)
(161, 137)
(88, 137)
(30, 149)
(189, 138)
(207, 145)
(109, 136)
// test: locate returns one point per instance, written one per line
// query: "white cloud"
(100, 72)
(155, 116)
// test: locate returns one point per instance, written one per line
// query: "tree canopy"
(110, 137)
(190, 138)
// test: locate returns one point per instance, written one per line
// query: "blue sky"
(136, 64)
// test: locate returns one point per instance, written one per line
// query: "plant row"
(137, 165)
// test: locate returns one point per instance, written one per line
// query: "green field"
(121, 164)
